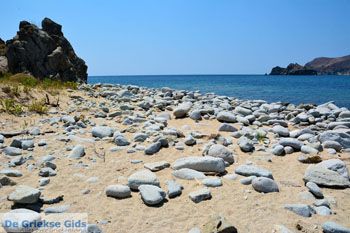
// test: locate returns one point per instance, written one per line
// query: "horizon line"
(123, 75)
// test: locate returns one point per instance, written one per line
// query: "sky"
(145, 37)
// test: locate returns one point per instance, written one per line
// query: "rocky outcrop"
(44, 53)
(293, 69)
(3, 59)
(318, 66)
(326, 65)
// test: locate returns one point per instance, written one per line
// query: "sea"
(291, 89)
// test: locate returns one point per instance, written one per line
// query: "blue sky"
(191, 36)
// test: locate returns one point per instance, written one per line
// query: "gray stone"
(142, 177)
(42, 142)
(243, 111)
(182, 110)
(157, 166)
(332, 144)
(325, 177)
(227, 117)
(22, 218)
(322, 210)
(140, 137)
(102, 131)
(224, 127)
(56, 209)
(195, 115)
(120, 140)
(264, 185)
(203, 164)
(188, 174)
(44, 181)
(34, 131)
(26, 144)
(220, 151)
(118, 191)
(278, 150)
(11, 173)
(341, 137)
(336, 165)
(247, 180)
(2, 138)
(292, 142)
(77, 152)
(280, 131)
(212, 182)
(24, 195)
(153, 148)
(299, 209)
(245, 144)
(308, 150)
(314, 189)
(200, 195)
(332, 227)
(174, 189)
(12, 151)
(322, 202)
(47, 171)
(152, 195)
(251, 170)
(190, 141)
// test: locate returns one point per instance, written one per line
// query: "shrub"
(11, 107)
(38, 107)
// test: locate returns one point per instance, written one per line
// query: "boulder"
(44, 53)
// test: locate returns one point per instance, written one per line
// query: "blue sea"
(292, 89)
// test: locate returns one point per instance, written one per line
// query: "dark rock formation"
(318, 66)
(3, 59)
(326, 65)
(293, 69)
(44, 53)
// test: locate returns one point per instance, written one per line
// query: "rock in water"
(218, 224)
(44, 53)
(20, 218)
(152, 195)
(142, 177)
(24, 195)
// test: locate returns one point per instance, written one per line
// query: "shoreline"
(245, 160)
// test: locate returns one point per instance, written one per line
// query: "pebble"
(142, 177)
(102, 131)
(300, 209)
(314, 189)
(200, 195)
(224, 127)
(251, 170)
(77, 152)
(118, 191)
(212, 182)
(157, 166)
(332, 227)
(202, 164)
(221, 151)
(153, 148)
(24, 195)
(265, 185)
(188, 174)
(152, 195)
(174, 189)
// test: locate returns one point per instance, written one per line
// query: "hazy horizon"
(199, 37)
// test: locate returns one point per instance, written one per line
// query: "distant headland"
(318, 66)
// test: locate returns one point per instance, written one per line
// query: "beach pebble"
(264, 185)
(314, 189)
(226, 117)
(188, 174)
(151, 195)
(203, 164)
(224, 127)
(142, 177)
(102, 131)
(200, 195)
(251, 170)
(332, 227)
(157, 166)
(12, 151)
(23, 218)
(118, 191)
(221, 151)
(174, 189)
(153, 148)
(24, 195)
(77, 152)
(212, 182)
(299, 209)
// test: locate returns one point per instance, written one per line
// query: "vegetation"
(38, 107)
(10, 106)
(28, 82)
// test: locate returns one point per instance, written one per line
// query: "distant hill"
(318, 66)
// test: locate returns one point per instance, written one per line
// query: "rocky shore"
(161, 160)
